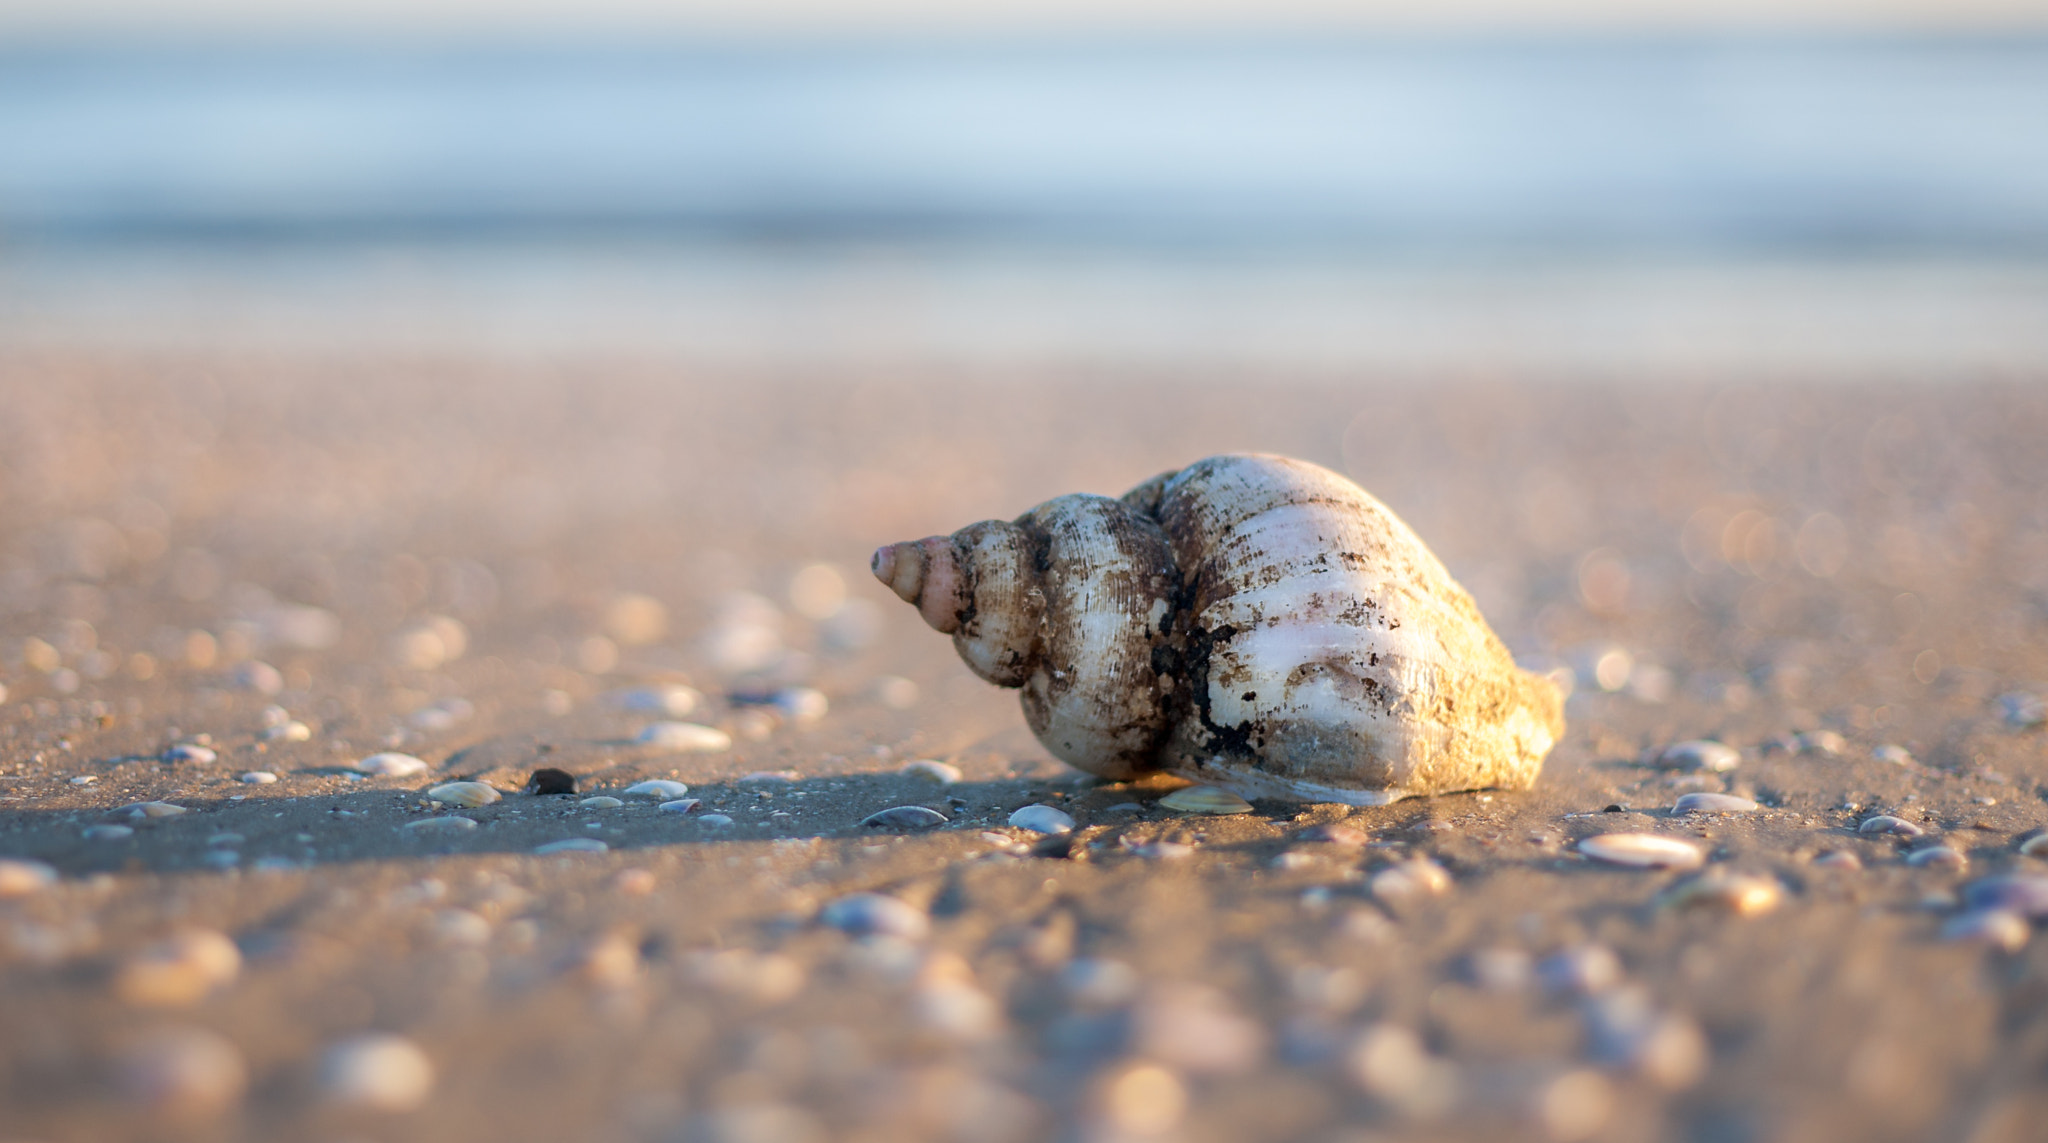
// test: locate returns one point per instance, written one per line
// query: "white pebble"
(259, 778)
(1390, 1062)
(1041, 818)
(182, 1072)
(685, 738)
(715, 821)
(291, 731)
(875, 914)
(260, 677)
(672, 701)
(571, 845)
(465, 794)
(449, 824)
(931, 770)
(1643, 851)
(392, 765)
(601, 802)
(385, 1073)
(1709, 803)
(658, 788)
(1700, 754)
(192, 753)
(20, 877)
(802, 705)
(1410, 880)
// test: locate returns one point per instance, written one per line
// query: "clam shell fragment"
(464, 794)
(1205, 800)
(1643, 851)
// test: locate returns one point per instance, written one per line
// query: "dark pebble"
(551, 781)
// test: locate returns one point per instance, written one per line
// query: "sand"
(1733, 558)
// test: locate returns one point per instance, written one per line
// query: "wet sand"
(1728, 558)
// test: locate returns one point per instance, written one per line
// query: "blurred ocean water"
(1719, 142)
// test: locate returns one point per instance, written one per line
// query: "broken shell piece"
(140, 810)
(464, 794)
(1887, 824)
(679, 806)
(1410, 880)
(1938, 857)
(448, 824)
(1205, 800)
(571, 845)
(658, 788)
(1741, 894)
(392, 765)
(2035, 846)
(875, 914)
(943, 773)
(904, 817)
(1643, 851)
(685, 738)
(1707, 803)
(1042, 818)
(601, 802)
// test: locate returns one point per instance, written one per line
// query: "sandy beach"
(217, 564)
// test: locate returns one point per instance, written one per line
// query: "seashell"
(1042, 818)
(1838, 859)
(673, 701)
(392, 765)
(1707, 803)
(942, 773)
(904, 817)
(679, 806)
(2021, 893)
(191, 752)
(1205, 800)
(571, 845)
(548, 781)
(1702, 754)
(801, 705)
(1410, 880)
(1887, 824)
(464, 794)
(659, 788)
(715, 821)
(139, 810)
(448, 824)
(601, 802)
(685, 738)
(1937, 856)
(1738, 893)
(20, 877)
(2001, 929)
(876, 914)
(1643, 851)
(1250, 622)
(2035, 846)
(259, 778)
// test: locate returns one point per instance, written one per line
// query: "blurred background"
(1564, 185)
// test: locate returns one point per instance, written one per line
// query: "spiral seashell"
(1251, 622)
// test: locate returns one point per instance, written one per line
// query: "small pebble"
(715, 821)
(685, 738)
(679, 806)
(20, 877)
(1707, 803)
(765, 978)
(1584, 969)
(293, 731)
(2022, 710)
(1205, 800)
(1667, 1049)
(548, 781)
(781, 776)
(450, 823)
(1838, 859)
(1332, 834)
(1822, 742)
(1643, 851)
(2001, 929)
(896, 692)
(85, 779)
(601, 802)
(1700, 754)
(905, 817)
(1739, 894)
(191, 753)
(571, 845)
(672, 701)
(380, 1072)
(958, 1010)
(1500, 969)
(460, 928)
(260, 677)
(1893, 753)
(108, 832)
(802, 705)
(875, 914)
(931, 771)
(2025, 894)
(1098, 982)
(1410, 880)
(392, 765)
(1391, 1064)
(1041, 818)
(179, 970)
(660, 789)
(181, 1072)
(1887, 824)
(464, 794)
(259, 778)
(140, 810)
(1937, 856)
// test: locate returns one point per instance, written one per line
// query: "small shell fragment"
(259, 778)
(1041, 818)
(904, 817)
(464, 794)
(660, 789)
(673, 701)
(191, 753)
(392, 765)
(685, 738)
(1410, 880)
(1700, 754)
(2035, 846)
(716, 821)
(1700, 802)
(1205, 800)
(1887, 824)
(2002, 929)
(601, 802)
(1893, 753)
(571, 845)
(450, 823)
(876, 914)
(1937, 856)
(931, 770)
(20, 877)
(1643, 851)
(679, 806)
(1740, 894)
(140, 810)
